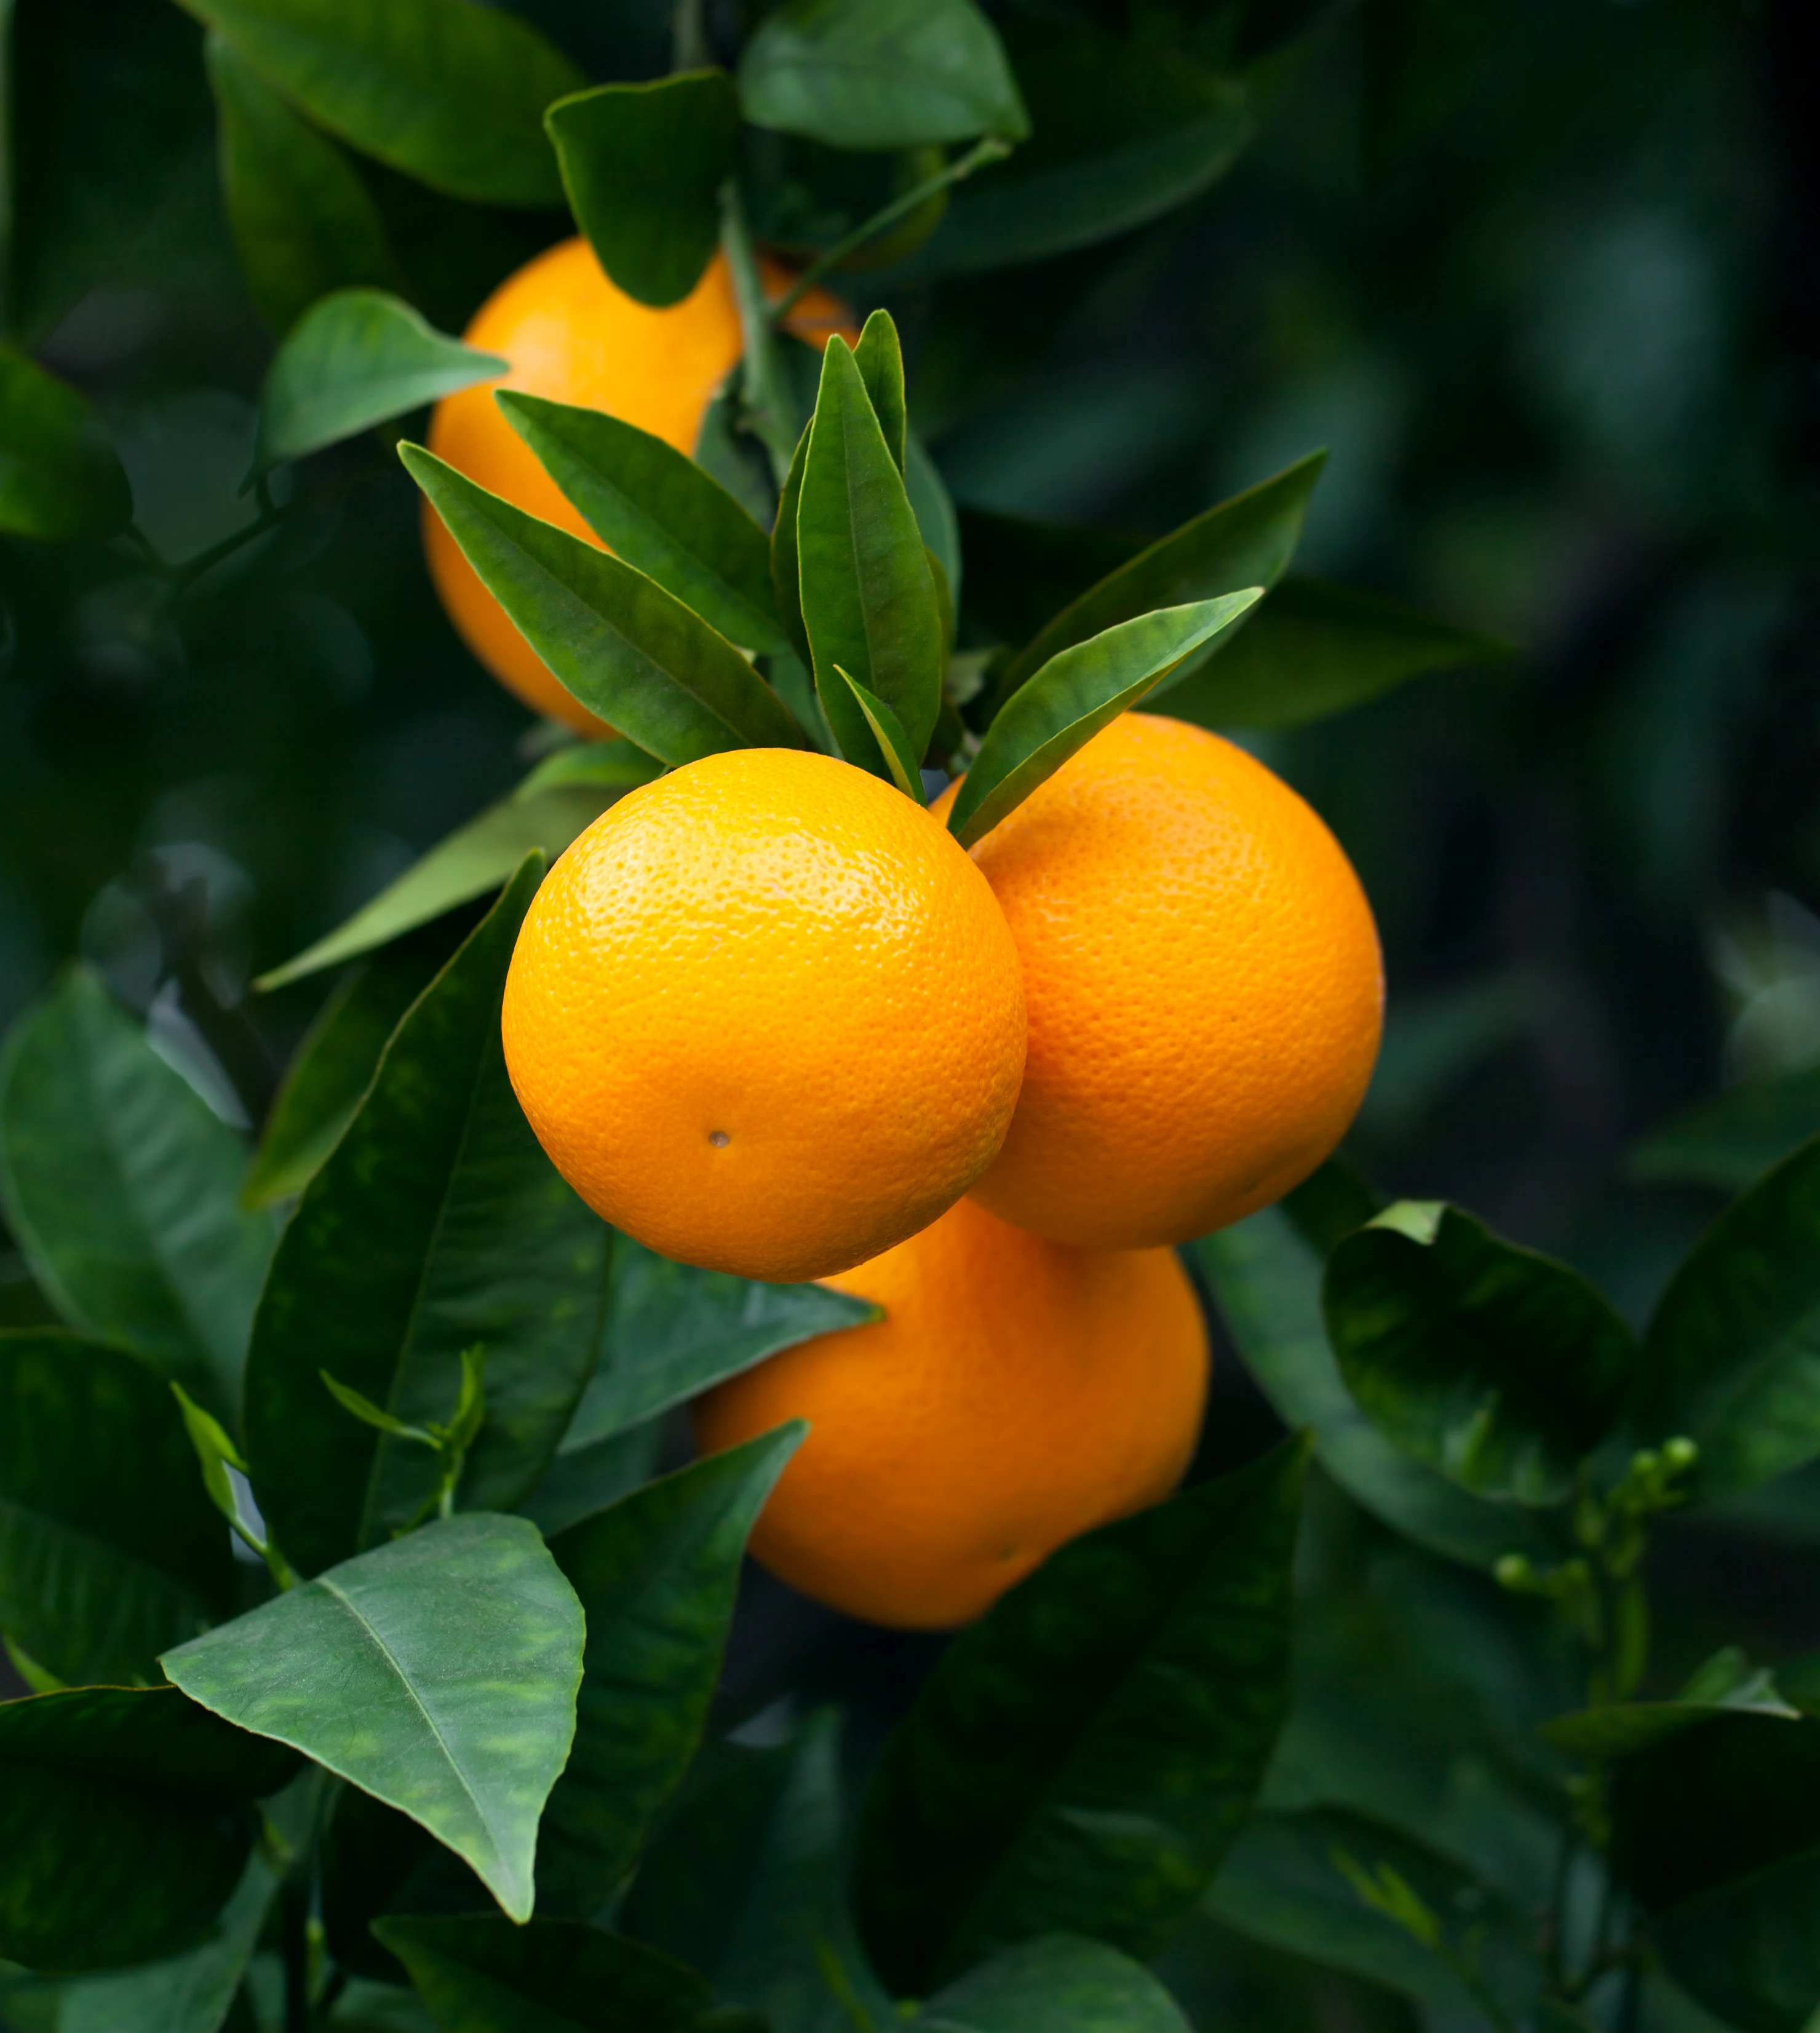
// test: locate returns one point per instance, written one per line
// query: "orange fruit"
(1203, 985)
(1017, 1393)
(765, 1016)
(573, 336)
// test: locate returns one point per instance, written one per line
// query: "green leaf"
(303, 222)
(929, 502)
(1494, 1364)
(880, 361)
(1247, 541)
(353, 360)
(630, 651)
(479, 1975)
(1313, 649)
(437, 1673)
(1076, 694)
(868, 601)
(450, 93)
(746, 1880)
(660, 512)
(1265, 1279)
(1732, 1357)
(674, 1331)
(1727, 1684)
(60, 476)
(436, 1222)
(1749, 1951)
(1061, 1983)
(188, 1993)
(330, 1069)
(582, 1479)
(654, 232)
(110, 1549)
(123, 1827)
(879, 74)
(1080, 1760)
(902, 761)
(656, 1575)
(476, 860)
(786, 559)
(121, 1188)
(1730, 1140)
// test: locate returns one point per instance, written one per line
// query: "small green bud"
(1680, 1454)
(1514, 1571)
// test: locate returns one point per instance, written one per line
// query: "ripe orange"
(1203, 984)
(572, 336)
(765, 1016)
(1017, 1393)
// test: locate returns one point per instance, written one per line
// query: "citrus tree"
(932, 1022)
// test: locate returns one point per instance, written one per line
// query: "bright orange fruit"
(573, 336)
(1017, 1393)
(765, 1016)
(1203, 985)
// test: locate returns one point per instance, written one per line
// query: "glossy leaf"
(746, 1880)
(121, 1188)
(660, 512)
(436, 1224)
(1732, 1357)
(1061, 1983)
(122, 1823)
(1076, 694)
(656, 1575)
(354, 359)
(674, 1331)
(110, 1549)
(1730, 1140)
(303, 220)
(479, 1975)
(330, 1069)
(437, 1673)
(1080, 1760)
(902, 762)
(1247, 541)
(1497, 1366)
(60, 476)
(1265, 1278)
(451, 94)
(1727, 1684)
(868, 601)
(1313, 650)
(643, 165)
(880, 73)
(880, 361)
(628, 650)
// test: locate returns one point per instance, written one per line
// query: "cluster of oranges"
(768, 1016)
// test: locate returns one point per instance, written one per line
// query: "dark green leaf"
(880, 361)
(1497, 1366)
(880, 73)
(1266, 1280)
(437, 1673)
(674, 1331)
(643, 165)
(437, 1222)
(121, 1188)
(450, 93)
(582, 1479)
(110, 1549)
(868, 601)
(902, 762)
(746, 1880)
(1730, 1140)
(1749, 1951)
(303, 222)
(330, 1068)
(1247, 541)
(122, 1823)
(1726, 1684)
(660, 512)
(353, 360)
(1731, 1358)
(1313, 650)
(936, 520)
(1061, 1983)
(60, 476)
(629, 651)
(656, 1575)
(786, 561)
(1081, 1759)
(479, 1975)
(1076, 694)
